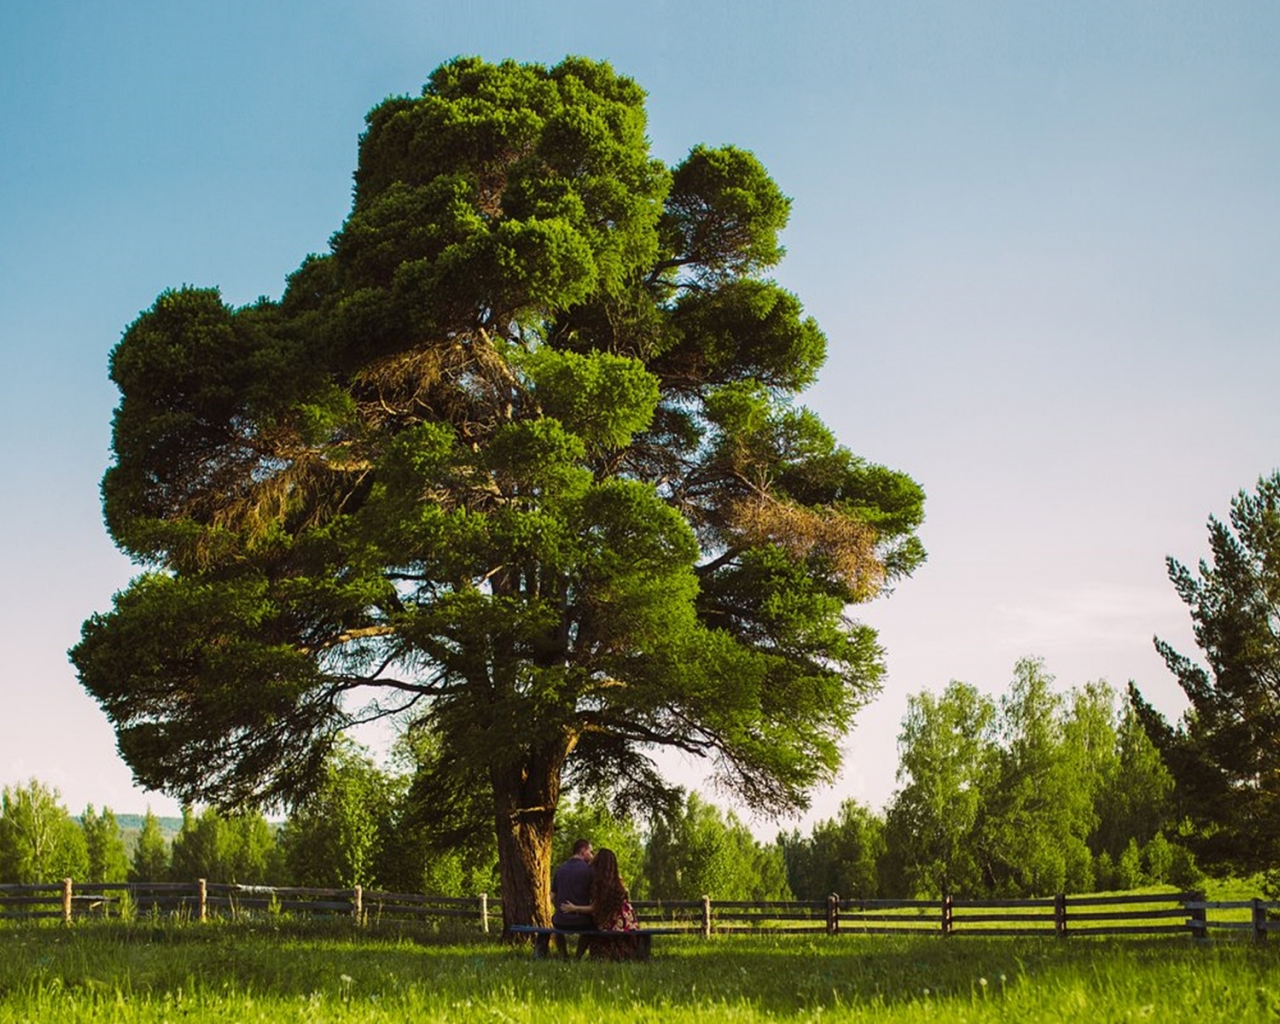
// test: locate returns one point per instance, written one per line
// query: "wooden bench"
(542, 937)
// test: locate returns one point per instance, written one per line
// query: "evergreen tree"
(108, 861)
(1225, 754)
(519, 462)
(151, 854)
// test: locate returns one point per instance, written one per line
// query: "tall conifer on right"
(1225, 754)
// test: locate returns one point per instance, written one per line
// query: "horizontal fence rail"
(1178, 913)
(201, 900)
(1263, 917)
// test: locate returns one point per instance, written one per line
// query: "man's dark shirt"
(572, 884)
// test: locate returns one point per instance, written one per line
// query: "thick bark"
(525, 798)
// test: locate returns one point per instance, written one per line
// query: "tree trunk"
(525, 799)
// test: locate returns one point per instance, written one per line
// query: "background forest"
(1037, 792)
(1034, 793)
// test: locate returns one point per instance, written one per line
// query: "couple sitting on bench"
(588, 895)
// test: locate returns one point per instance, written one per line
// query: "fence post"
(202, 896)
(948, 910)
(1060, 915)
(833, 914)
(1259, 921)
(706, 917)
(66, 901)
(1199, 917)
(357, 905)
(484, 912)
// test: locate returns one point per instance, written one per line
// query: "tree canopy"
(39, 840)
(518, 463)
(1225, 753)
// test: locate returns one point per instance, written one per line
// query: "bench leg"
(643, 942)
(541, 946)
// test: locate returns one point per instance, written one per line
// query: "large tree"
(1225, 754)
(516, 462)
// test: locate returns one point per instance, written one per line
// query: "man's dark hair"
(579, 845)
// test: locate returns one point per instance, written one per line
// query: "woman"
(610, 908)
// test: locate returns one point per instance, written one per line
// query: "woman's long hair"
(607, 887)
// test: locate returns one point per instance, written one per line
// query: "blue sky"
(1043, 239)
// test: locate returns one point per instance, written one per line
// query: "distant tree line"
(1031, 793)
(360, 829)
(1034, 793)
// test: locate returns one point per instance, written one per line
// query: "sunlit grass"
(111, 972)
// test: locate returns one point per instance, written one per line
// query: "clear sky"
(1043, 239)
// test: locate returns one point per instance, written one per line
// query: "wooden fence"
(201, 900)
(1060, 916)
(1185, 913)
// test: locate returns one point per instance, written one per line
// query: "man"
(572, 884)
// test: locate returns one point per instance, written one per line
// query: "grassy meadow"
(282, 971)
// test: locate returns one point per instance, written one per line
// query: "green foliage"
(1157, 859)
(1045, 793)
(1225, 754)
(457, 873)
(224, 848)
(334, 838)
(39, 840)
(947, 760)
(700, 851)
(723, 215)
(842, 855)
(1128, 870)
(519, 463)
(1135, 798)
(1185, 873)
(104, 845)
(440, 837)
(1039, 810)
(151, 861)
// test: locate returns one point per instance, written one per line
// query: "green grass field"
(110, 971)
